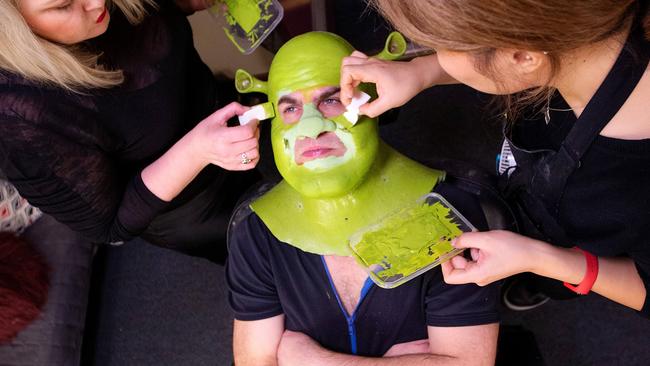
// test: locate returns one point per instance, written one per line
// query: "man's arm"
(256, 342)
(469, 345)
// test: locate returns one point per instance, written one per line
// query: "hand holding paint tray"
(409, 242)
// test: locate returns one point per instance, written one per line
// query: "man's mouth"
(101, 16)
(326, 144)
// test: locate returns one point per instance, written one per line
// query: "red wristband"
(589, 279)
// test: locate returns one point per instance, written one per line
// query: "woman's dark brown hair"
(482, 26)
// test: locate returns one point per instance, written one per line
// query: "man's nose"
(312, 123)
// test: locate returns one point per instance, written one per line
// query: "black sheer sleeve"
(67, 176)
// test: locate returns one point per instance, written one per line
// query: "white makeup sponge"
(259, 112)
(352, 110)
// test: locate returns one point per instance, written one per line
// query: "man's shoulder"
(245, 226)
(243, 211)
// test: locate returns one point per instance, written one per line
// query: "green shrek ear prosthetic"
(321, 202)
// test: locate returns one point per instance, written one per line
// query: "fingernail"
(453, 242)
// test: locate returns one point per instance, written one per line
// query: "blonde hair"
(70, 67)
(480, 27)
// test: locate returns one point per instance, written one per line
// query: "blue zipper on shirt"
(349, 318)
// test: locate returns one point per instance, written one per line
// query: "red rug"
(24, 281)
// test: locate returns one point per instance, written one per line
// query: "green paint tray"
(410, 241)
(247, 22)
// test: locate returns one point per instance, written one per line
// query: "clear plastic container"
(410, 241)
(247, 22)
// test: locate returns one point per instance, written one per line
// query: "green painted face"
(317, 151)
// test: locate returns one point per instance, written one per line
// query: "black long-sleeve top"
(78, 157)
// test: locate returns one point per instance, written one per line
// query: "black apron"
(534, 182)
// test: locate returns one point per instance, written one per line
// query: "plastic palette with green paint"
(247, 22)
(410, 241)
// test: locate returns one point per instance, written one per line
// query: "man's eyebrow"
(329, 92)
(288, 99)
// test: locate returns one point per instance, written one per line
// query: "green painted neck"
(323, 225)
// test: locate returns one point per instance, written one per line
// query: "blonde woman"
(108, 122)
(578, 175)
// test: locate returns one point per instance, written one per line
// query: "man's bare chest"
(348, 279)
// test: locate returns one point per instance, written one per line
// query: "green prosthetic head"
(317, 151)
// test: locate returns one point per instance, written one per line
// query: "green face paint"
(409, 242)
(311, 124)
(330, 176)
(313, 60)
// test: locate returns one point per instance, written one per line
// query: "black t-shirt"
(267, 277)
(78, 157)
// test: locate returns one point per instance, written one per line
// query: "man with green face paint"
(299, 297)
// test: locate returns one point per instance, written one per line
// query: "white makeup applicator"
(352, 110)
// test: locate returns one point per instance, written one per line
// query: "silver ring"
(244, 159)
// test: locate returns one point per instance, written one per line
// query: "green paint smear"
(245, 12)
(408, 241)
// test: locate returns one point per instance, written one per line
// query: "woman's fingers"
(459, 270)
(238, 133)
(470, 240)
(235, 148)
(243, 146)
(459, 262)
(237, 153)
(494, 255)
(360, 54)
(356, 60)
(454, 264)
(215, 142)
(475, 253)
(352, 74)
(241, 161)
(248, 160)
(222, 115)
(465, 273)
(248, 155)
(394, 81)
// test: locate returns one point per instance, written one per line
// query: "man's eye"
(290, 109)
(331, 101)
